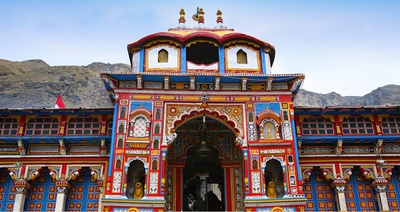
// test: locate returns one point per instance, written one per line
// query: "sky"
(350, 47)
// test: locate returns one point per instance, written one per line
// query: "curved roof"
(183, 35)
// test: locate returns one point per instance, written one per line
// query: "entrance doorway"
(204, 167)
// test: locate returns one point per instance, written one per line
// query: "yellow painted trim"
(217, 98)
(161, 42)
(28, 117)
(267, 98)
(69, 117)
(236, 43)
(141, 96)
(341, 117)
(302, 117)
(369, 116)
(166, 97)
(330, 117)
(201, 41)
(176, 69)
(190, 98)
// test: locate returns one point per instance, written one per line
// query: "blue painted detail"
(392, 194)
(183, 59)
(41, 193)
(221, 54)
(141, 60)
(360, 195)
(296, 150)
(112, 148)
(179, 79)
(263, 65)
(274, 106)
(89, 193)
(313, 183)
(7, 188)
(141, 104)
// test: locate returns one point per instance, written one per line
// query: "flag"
(59, 102)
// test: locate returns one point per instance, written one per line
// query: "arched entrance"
(204, 166)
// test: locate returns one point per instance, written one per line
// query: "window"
(391, 125)
(317, 126)
(241, 57)
(109, 126)
(269, 129)
(139, 128)
(163, 56)
(8, 126)
(122, 113)
(357, 125)
(83, 125)
(42, 126)
(158, 114)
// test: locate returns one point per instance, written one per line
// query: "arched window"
(155, 144)
(241, 57)
(157, 129)
(274, 178)
(251, 118)
(122, 113)
(269, 129)
(139, 127)
(154, 165)
(120, 143)
(158, 114)
(121, 128)
(163, 56)
(136, 174)
(118, 164)
(254, 164)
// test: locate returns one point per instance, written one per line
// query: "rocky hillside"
(386, 95)
(35, 84)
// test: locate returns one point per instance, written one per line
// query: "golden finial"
(201, 15)
(182, 16)
(219, 16)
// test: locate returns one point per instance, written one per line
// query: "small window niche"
(163, 56)
(241, 57)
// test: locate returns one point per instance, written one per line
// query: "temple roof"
(183, 35)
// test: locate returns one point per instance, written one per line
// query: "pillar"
(339, 187)
(62, 192)
(21, 187)
(380, 188)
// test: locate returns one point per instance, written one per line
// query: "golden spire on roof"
(201, 15)
(219, 16)
(182, 16)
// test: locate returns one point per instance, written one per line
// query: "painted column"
(21, 187)
(339, 187)
(380, 188)
(62, 192)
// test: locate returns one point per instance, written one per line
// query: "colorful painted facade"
(200, 123)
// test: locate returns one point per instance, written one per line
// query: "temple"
(200, 123)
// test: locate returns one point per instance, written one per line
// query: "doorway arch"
(204, 164)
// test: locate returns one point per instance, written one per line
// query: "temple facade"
(200, 124)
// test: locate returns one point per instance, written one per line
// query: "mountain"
(34, 84)
(386, 95)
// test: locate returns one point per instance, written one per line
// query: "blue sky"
(350, 47)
